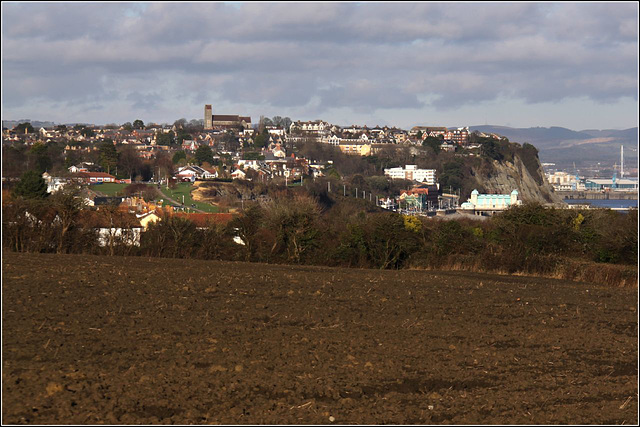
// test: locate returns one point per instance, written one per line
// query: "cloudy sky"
(449, 64)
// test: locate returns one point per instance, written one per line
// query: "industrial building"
(612, 184)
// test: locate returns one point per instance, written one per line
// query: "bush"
(31, 186)
(293, 227)
(295, 223)
(172, 237)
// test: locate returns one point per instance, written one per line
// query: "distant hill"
(9, 124)
(564, 146)
(631, 133)
(532, 134)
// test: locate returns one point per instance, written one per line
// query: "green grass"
(184, 189)
(109, 188)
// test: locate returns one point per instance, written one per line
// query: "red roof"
(94, 175)
(108, 219)
(204, 219)
(230, 118)
(418, 191)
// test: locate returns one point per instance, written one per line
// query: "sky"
(573, 65)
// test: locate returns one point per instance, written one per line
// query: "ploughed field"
(88, 339)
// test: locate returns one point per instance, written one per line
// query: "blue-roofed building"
(611, 184)
(489, 203)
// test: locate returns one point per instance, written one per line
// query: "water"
(609, 204)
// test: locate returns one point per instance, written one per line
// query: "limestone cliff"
(504, 176)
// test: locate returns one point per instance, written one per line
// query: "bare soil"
(89, 340)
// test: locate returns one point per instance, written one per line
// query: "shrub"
(173, 237)
(294, 220)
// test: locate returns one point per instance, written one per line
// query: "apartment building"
(412, 172)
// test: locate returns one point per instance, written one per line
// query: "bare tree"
(67, 203)
(129, 161)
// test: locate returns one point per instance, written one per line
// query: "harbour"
(571, 196)
(614, 204)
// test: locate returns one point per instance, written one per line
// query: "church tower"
(208, 117)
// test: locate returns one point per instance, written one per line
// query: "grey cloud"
(144, 102)
(19, 88)
(595, 23)
(365, 96)
(363, 56)
(272, 88)
(61, 21)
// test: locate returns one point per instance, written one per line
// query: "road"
(176, 203)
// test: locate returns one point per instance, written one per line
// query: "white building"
(316, 126)
(333, 140)
(54, 184)
(193, 172)
(490, 202)
(562, 181)
(238, 174)
(412, 172)
(275, 131)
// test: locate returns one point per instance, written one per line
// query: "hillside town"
(320, 213)
(238, 138)
(234, 148)
(107, 160)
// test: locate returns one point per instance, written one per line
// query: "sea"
(609, 204)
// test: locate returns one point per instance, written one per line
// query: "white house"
(238, 174)
(275, 131)
(333, 140)
(193, 172)
(54, 183)
(147, 218)
(189, 145)
(253, 164)
(45, 133)
(278, 151)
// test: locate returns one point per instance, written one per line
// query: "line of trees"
(298, 227)
(122, 160)
(51, 156)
